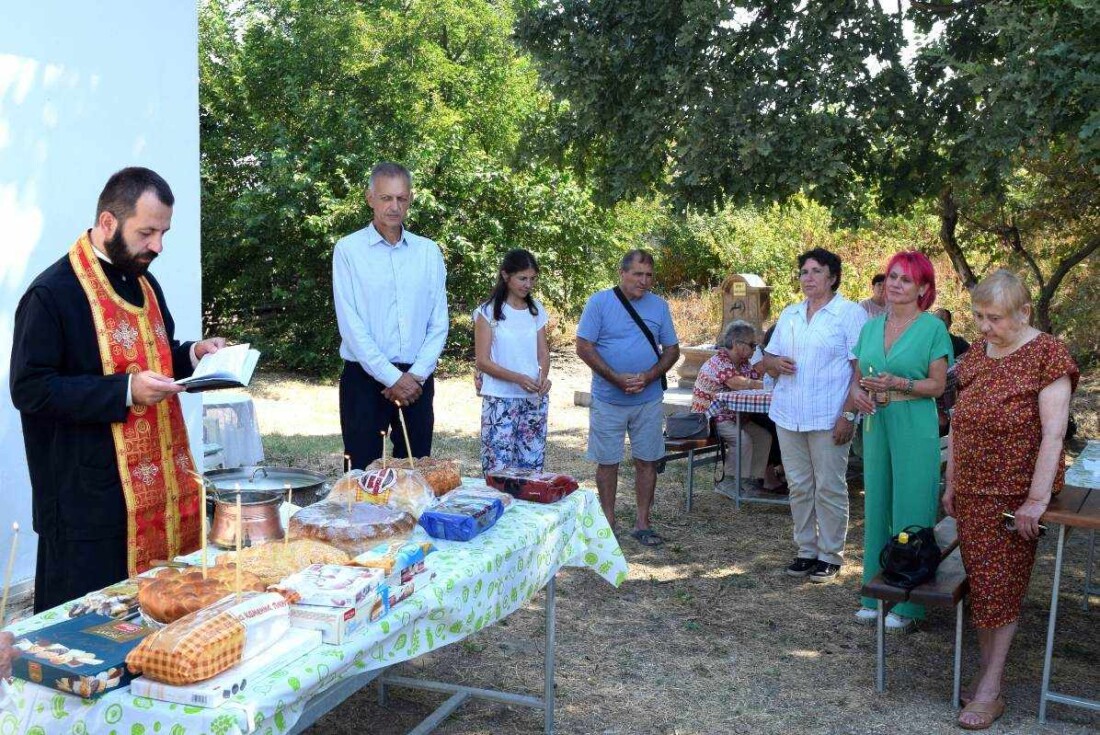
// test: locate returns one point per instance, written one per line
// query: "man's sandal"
(647, 537)
(987, 712)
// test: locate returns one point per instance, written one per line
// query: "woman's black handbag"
(687, 425)
(912, 562)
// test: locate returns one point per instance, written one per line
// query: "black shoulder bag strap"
(641, 325)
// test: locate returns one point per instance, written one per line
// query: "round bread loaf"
(352, 528)
(172, 593)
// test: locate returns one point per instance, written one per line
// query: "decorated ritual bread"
(441, 474)
(171, 594)
(274, 561)
(205, 643)
(397, 487)
(350, 527)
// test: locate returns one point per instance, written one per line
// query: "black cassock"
(67, 407)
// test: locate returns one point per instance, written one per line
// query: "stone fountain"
(744, 296)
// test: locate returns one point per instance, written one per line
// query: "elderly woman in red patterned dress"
(731, 369)
(1005, 456)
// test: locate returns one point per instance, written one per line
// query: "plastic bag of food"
(443, 475)
(401, 560)
(351, 527)
(460, 515)
(205, 643)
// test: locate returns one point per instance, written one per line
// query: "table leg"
(880, 648)
(691, 477)
(1088, 571)
(548, 684)
(1045, 690)
(737, 460)
(956, 689)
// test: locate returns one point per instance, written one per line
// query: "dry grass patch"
(707, 635)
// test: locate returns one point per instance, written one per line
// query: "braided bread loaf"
(173, 593)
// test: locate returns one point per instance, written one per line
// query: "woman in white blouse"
(810, 355)
(512, 356)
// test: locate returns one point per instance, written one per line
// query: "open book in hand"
(229, 367)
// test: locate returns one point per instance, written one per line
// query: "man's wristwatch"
(850, 415)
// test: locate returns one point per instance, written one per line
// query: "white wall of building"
(87, 88)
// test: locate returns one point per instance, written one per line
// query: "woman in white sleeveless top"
(512, 356)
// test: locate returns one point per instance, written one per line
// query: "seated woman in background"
(514, 361)
(730, 369)
(1005, 456)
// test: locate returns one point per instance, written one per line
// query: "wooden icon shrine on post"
(745, 296)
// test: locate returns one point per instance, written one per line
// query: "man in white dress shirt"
(390, 289)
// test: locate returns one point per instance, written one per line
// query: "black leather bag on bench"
(687, 425)
(910, 564)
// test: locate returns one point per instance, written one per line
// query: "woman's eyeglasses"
(1010, 524)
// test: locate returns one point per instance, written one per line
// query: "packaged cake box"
(338, 624)
(84, 655)
(330, 585)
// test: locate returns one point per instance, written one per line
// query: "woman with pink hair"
(903, 359)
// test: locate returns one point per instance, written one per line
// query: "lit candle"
(11, 567)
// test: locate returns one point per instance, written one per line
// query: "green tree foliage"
(300, 98)
(756, 101)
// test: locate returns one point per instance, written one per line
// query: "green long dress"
(901, 446)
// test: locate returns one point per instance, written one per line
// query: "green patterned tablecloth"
(476, 584)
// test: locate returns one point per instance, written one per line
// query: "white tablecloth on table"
(229, 420)
(476, 584)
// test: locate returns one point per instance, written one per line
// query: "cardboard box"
(214, 692)
(85, 655)
(337, 624)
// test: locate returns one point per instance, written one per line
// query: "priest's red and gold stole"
(154, 459)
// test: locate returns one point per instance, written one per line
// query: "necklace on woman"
(903, 325)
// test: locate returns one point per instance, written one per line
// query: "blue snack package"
(459, 517)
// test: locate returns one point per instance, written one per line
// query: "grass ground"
(707, 635)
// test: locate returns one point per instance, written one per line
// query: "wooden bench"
(699, 453)
(948, 589)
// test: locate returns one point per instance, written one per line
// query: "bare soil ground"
(707, 635)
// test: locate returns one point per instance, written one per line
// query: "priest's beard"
(118, 250)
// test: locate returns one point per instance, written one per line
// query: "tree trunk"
(949, 220)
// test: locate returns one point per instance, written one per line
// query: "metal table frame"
(1046, 695)
(738, 497)
(328, 700)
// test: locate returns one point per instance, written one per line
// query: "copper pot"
(259, 518)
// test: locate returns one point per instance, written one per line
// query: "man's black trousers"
(365, 413)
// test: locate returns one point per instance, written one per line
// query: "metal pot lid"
(274, 479)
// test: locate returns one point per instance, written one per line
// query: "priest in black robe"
(68, 405)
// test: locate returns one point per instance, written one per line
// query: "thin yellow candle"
(289, 498)
(202, 525)
(238, 564)
(405, 433)
(867, 420)
(11, 567)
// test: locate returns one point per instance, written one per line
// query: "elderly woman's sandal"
(987, 713)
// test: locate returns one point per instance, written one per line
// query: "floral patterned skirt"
(998, 562)
(513, 433)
